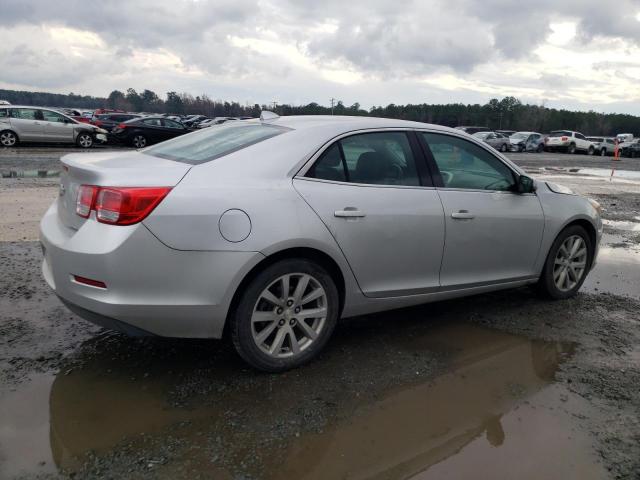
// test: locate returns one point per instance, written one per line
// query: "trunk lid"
(109, 169)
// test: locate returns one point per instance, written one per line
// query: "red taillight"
(564, 139)
(89, 281)
(119, 205)
(122, 126)
(85, 199)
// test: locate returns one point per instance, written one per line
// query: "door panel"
(27, 123)
(496, 236)
(392, 237)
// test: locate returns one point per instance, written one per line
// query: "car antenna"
(266, 115)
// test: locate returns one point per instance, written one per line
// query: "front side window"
(211, 143)
(50, 116)
(153, 122)
(25, 113)
(4, 113)
(465, 165)
(379, 158)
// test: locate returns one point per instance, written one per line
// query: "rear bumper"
(151, 288)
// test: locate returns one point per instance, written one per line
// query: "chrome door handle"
(349, 212)
(463, 215)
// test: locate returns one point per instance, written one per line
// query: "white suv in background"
(569, 141)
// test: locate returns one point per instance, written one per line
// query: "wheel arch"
(308, 253)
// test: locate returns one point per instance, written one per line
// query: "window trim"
(423, 171)
(439, 183)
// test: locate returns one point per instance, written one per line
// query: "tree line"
(508, 113)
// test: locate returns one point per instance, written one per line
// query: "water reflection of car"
(496, 140)
(405, 427)
(526, 142)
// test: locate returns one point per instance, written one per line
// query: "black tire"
(84, 140)
(546, 284)
(591, 150)
(139, 141)
(241, 317)
(8, 138)
(503, 147)
(603, 152)
(540, 148)
(571, 150)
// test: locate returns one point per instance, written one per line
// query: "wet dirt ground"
(503, 385)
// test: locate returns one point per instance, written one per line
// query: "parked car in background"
(603, 145)
(263, 230)
(193, 120)
(75, 114)
(4, 102)
(496, 140)
(140, 132)
(624, 138)
(569, 141)
(526, 142)
(26, 124)
(631, 149)
(506, 133)
(472, 130)
(109, 120)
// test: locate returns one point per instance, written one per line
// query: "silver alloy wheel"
(139, 141)
(570, 263)
(7, 139)
(289, 315)
(85, 140)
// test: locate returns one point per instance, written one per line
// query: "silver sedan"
(273, 229)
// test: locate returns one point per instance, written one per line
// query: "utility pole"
(333, 101)
(275, 106)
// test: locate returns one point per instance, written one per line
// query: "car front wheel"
(285, 315)
(84, 140)
(503, 148)
(567, 263)
(603, 152)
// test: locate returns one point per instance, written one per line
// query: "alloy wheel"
(85, 140)
(570, 263)
(289, 315)
(7, 139)
(139, 141)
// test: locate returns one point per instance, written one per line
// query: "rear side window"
(25, 113)
(380, 158)
(214, 142)
(154, 122)
(4, 113)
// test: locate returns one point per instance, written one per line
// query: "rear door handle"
(349, 212)
(463, 215)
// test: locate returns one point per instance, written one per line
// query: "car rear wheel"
(285, 316)
(8, 139)
(503, 147)
(591, 151)
(540, 148)
(84, 140)
(567, 263)
(139, 141)
(572, 149)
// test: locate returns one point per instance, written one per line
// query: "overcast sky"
(578, 54)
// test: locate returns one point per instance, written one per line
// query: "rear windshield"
(560, 133)
(214, 142)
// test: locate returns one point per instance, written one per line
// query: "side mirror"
(525, 184)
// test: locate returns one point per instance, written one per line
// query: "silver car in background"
(496, 140)
(603, 145)
(271, 230)
(24, 124)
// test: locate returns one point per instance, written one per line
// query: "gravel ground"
(420, 392)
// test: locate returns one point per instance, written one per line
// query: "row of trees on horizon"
(508, 113)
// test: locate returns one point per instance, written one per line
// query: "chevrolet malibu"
(270, 230)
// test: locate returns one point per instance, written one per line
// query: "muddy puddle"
(429, 402)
